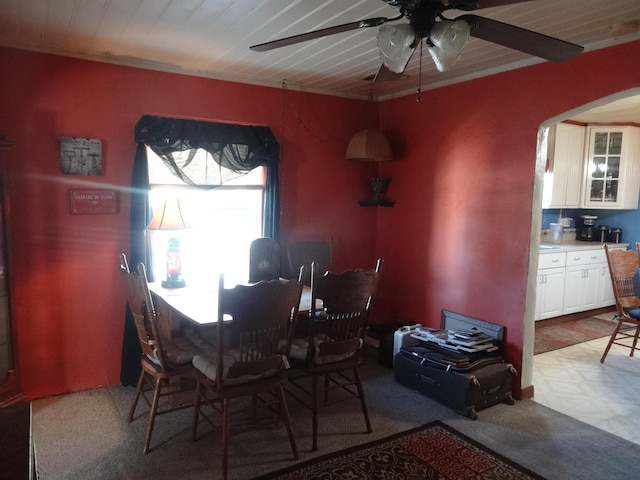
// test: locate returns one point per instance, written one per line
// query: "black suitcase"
(464, 386)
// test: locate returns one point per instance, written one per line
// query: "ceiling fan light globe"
(394, 43)
(442, 59)
(450, 36)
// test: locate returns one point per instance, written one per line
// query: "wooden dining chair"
(622, 267)
(333, 336)
(250, 360)
(264, 259)
(166, 364)
(303, 254)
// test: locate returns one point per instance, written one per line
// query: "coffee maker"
(587, 232)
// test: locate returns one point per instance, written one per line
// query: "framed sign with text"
(93, 201)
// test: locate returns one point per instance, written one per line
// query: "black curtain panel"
(140, 218)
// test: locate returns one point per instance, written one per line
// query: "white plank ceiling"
(211, 38)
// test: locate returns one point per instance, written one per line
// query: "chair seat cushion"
(634, 313)
(236, 372)
(324, 351)
(181, 350)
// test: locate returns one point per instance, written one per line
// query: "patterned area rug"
(433, 451)
(553, 337)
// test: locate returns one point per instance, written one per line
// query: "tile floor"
(573, 381)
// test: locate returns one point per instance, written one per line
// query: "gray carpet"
(85, 436)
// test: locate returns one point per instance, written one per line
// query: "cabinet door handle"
(555, 261)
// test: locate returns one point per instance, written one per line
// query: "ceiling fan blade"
(526, 41)
(386, 75)
(303, 37)
(498, 3)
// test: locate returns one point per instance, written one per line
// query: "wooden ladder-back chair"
(166, 365)
(303, 254)
(251, 358)
(264, 259)
(331, 341)
(622, 266)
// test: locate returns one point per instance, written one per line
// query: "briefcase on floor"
(464, 385)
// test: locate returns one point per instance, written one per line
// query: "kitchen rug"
(565, 334)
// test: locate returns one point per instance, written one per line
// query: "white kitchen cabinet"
(573, 279)
(612, 168)
(550, 285)
(564, 171)
(582, 280)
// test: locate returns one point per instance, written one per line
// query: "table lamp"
(169, 217)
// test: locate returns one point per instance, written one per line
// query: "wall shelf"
(376, 203)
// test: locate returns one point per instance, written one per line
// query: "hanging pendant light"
(372, 146)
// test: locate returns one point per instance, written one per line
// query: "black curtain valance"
(238, 148)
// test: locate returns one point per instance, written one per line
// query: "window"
(222, 221)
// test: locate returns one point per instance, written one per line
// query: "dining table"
(195, 306)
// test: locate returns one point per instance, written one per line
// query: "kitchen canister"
(615, 235)
(603, 233)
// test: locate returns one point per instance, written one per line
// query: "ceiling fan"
(445, 38)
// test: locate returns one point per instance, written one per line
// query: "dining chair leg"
(363, 403)
(635, 341)
(136, 396)
(613, 336)
(196, 412)
(314, 412)
(254, 409)
(152, 413)
(326, 388)
(284, 413)
(225, 436)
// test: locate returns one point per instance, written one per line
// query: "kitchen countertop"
(573, 245)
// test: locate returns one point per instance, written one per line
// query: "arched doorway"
(603, 106)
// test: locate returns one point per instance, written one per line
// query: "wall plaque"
(93, 202)
(80, 156)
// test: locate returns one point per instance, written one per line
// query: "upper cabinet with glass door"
(612, 168)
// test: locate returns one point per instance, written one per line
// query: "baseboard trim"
(526, 393)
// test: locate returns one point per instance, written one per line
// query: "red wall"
(67, 299)
(458, 236)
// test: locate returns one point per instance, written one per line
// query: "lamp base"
(174, 283)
